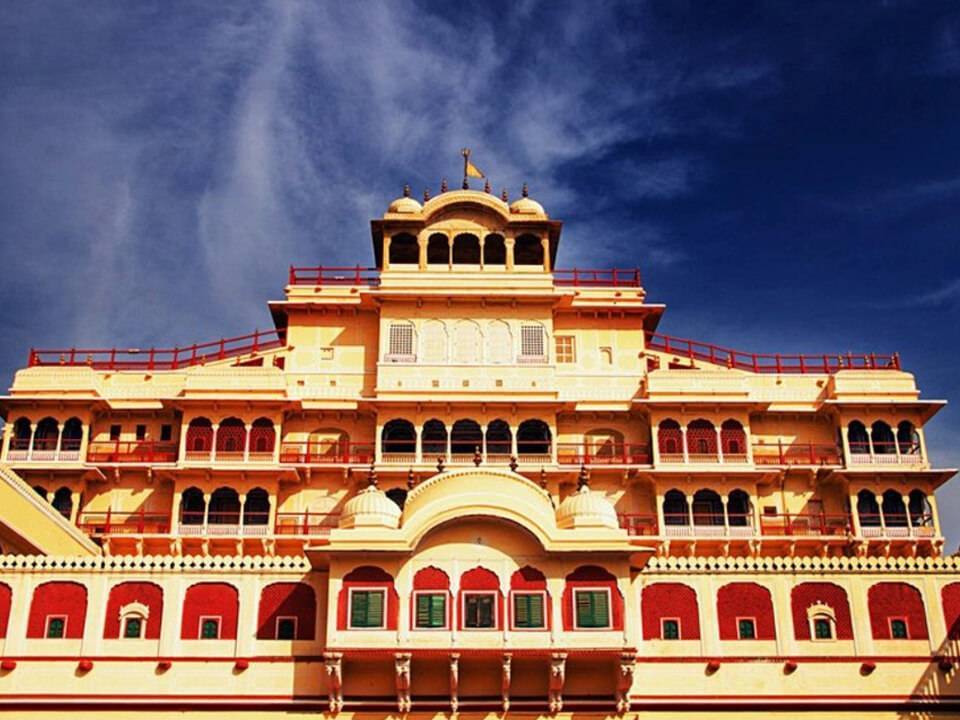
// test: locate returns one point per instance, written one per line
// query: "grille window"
(532, 345)
(566, 349)
(401, 342)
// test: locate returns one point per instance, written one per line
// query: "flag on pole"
(473, 170)
(469, 169)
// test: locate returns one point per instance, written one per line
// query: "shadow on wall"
(942, 676)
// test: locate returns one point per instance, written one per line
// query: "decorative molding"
(156, 563)
(818, 565)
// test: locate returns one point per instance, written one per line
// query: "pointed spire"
(513, 463)
(372, 476)
(486, 187)
(411, 479)
(440, 464)
(543, 478)
(466, 185)
(426, 194)
(477, 456)
(504, 195)
(406, 190)
(525, 191)
(443, 185)
(583, 479)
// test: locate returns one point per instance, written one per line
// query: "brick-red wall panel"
(950, 596)
(896, 600)
(368, 576)
(125, 593)
(743, 600)
(58, 598)
(206, 599)
(670, 600)
(529, 578)
(592, 576)
(6, 597)
(813, 593)
(287, 599)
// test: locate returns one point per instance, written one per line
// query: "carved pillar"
(333, 662)
(683, 439)
(545, 244)
(508, 243)
(454, 682)
(558, 676)
(386, 252)
(628, 664)
(56, 453)
(401, 665)
(724, 500)
(506, 671)
(213, 442)
(33, 437)
(719, 444)
(246, 442)
(418, 429)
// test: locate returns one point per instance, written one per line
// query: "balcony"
(306, 523)
(603, 454)
(43, 450)
(336, 276)
(896, 526)
(612, 277)
(140, 452)
(805, 525)
(885, 454)
(797, 454)
(224, 524)
(99, 524)
(678, 525)
(327, 453)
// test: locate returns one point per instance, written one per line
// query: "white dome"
(370, 508)
(526, 206)
(405, 205)
(586, 508)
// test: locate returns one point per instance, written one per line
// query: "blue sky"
(787, 175)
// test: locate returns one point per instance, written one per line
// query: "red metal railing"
(638, 523)
(606, 454)
(331, 451)
(160, 359)
(767, 363)
(306, 523)
(613, 277)
(124, 523)
(124, 451)
(805, 524)
(797, 454)
(321, 275)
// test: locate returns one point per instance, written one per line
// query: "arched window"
(368, 600)
(670, 441)
(670, 612)
(288, 611)
(592, 600)
(675, 510)
(210, 612)
(896, 612)
(58, 610)
(499, 439)
(404, 250)
(529, 605)
(707, 508)
(433, 342)
(739, 509)
(256, 507)
(63, 502)
(401, 342)
(433, 439)
(399, 437)
(199, 436)
(528, 250)
(466, 438)
(466, 342)
(263, 438)
(45, 439)
(499, 343)
(858, 439)
(134, 610)
(745, 612)
(894, 511)
(884, 442)
(224, 507)
(231, 439)
(20, 437)
(921, 514)
(494, 250)
(734, 440)
(533, 438)
(701, 441)
(192, 506)
(908, 438)
(867, 509)
(438, 250)
(71, 436)
(466, 249)
(480, 603)
(812, 603)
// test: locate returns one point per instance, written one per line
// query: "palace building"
(469, 481)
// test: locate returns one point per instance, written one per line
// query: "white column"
(206, 511)
(7, 434)
(655, 444)
(33, 436)
(658, 499)
(449, 431)
(247, 427)
(213, 442)
(418, 429)
(724, 499)
(683, 438)
(905, 499)
(277, 439)
(56, 453)
(719, 445)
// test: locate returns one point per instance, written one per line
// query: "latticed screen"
(366, 608)
(401, 340)
(593, 609)
(566, 349)
(532, 345)
(528, 610)
(431, 610)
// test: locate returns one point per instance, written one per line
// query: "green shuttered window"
(366, 608)
(528, 610)
(431, 610)
(593, 608)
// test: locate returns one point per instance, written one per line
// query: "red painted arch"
(888, 600)
(814, 593)
(430, 578)
(68, 599)
(592, 576)
(368, 576)
(210, 599)
(528, 579)
(479, 579)
(745, 600)
(286, 599)
(670, 600)
(145, 593)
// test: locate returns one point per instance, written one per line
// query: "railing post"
(291, 277)
(113, 358)
(812, 459)
(222, 348)
(142, 520)
(106, 524)
(150, 359)
(306, 522)
(780, 451)
(357, 278)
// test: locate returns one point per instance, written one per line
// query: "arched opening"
(45, 439)
(433, 342)
(894, 511)
(884, 442)
(604, 445)
(867, 509)
(670, 441)
(528, 250)
(494, 250)
(466, 249)
(466, 439)
(192, 507)
(733, 441)
(701, 441)
(41, 491)
(857, 438)
(499, 439)
(908, 438)
(921, 514)
(739, 509)
(404, 250)
(199, 438)
(224, 507)
(433, 439)
(397, 495)
(707, 508)
(534, 438)
(263, 438)
(71, 436)
(467, 342)
(231, 439)
(399, 437)
(675, 510)
(499, 343)
(20, 438)
(327, 445)
(63, 502)
(256, 507)
(438, 250)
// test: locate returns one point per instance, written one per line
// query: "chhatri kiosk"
(468, 480)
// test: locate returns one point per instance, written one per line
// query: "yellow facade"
(469, 481)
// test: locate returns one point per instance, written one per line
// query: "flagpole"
(466, 161)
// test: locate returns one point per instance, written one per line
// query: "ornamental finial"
(583, 479)
(406, 190)
(372, 476)
(504, 195)
(525, 191)
(443, 185)
(426, 194)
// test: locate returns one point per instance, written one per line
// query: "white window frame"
(46, 626)
(756, 629)
(276, 626)
(464, 594)
(367, 589)
(204, 618)
(134, 610)
(446, 615)
(679, 629)
(512, 612)
(821, 611)
(598, 588)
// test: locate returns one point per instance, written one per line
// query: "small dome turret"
(585, 508)
(370, 508)
(405, 204)
(526, 206)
